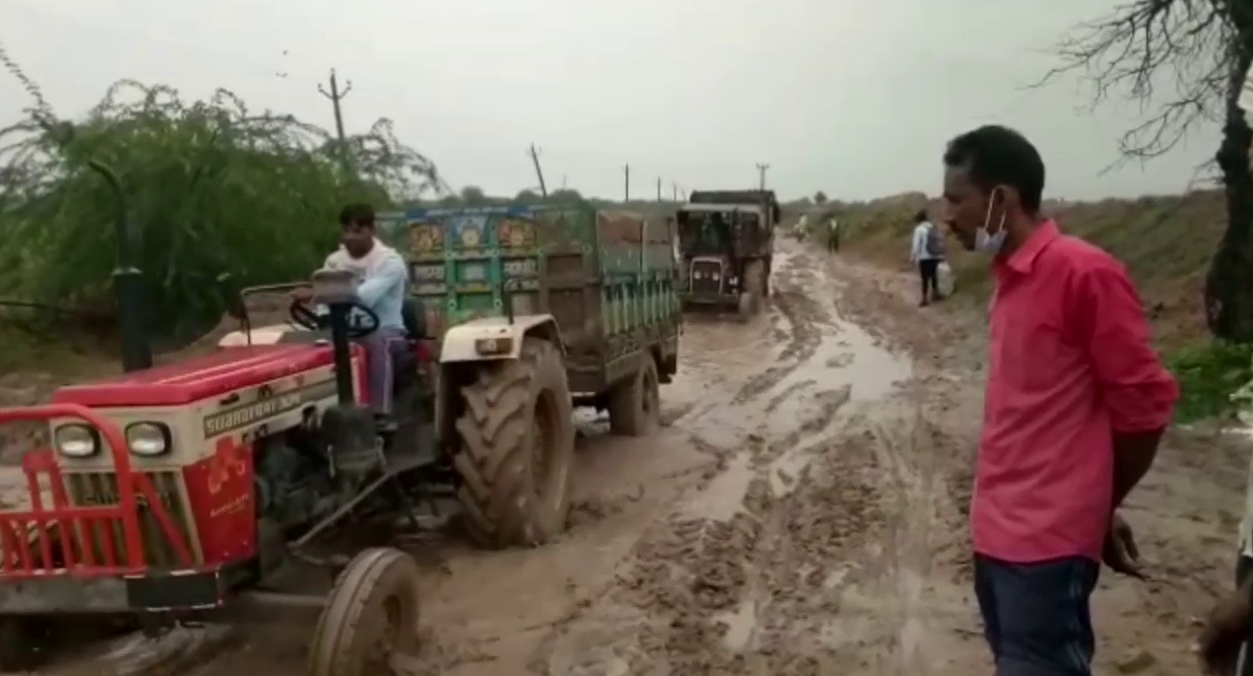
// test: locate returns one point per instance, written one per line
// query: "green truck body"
(608, 278)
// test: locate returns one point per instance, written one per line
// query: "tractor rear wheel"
(754, 289)
(634, 405)
(370, 622)
(517, 449)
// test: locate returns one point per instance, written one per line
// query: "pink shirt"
(1069, 363)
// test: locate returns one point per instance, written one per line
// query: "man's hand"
(1229, 625)
(1121, 553)
(302, 294)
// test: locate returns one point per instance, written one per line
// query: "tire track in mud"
(751, 575)
(805, 318)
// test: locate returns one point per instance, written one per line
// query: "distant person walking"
(833, 234)
(1076, 403)
(927, 252)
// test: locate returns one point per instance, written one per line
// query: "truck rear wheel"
(634, 405)
(370, 622)
(517, 449)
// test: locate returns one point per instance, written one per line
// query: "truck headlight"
(148, 439)
(76, 441)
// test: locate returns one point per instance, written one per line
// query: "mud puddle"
(745, 575)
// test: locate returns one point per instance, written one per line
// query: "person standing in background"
(926, 250)
(833, 234)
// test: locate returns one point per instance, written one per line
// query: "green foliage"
(211, 187)
(1209, 375)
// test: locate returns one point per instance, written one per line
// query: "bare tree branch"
(1172, 57)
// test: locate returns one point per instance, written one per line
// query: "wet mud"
(802, 511)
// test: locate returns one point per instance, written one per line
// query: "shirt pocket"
(1030, 354)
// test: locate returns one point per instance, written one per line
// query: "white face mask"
(987, 241)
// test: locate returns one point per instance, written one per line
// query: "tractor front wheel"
(517, 449)
(370, 622)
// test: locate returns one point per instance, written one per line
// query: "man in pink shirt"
(1076, 403)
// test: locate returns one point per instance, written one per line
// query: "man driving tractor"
(382, 279)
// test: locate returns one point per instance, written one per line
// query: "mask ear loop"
(987, 218)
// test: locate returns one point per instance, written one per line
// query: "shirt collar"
(1023, 260)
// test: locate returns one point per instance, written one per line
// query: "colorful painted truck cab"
(538, 309)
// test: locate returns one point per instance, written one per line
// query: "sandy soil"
(802, 513)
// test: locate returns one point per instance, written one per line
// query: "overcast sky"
(852, 97)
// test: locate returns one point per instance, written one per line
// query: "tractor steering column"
(336, 289)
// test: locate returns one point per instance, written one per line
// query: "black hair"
(994, 155)
(358, 213)
(921, 216)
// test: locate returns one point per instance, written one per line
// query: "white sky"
(852, 97)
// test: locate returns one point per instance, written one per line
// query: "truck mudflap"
(58, 556)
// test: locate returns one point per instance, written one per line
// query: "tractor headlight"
(148, 439)
(76, 441)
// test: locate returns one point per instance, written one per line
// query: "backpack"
(935, 241)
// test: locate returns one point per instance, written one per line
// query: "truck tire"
(634, 405)
(370, 620)
(517, 449)
(755, 278)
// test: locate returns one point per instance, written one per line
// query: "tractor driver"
(382, 279)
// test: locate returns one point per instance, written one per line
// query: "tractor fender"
(495, 338)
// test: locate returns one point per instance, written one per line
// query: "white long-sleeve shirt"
(918, 247)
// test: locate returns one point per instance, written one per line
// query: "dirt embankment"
(1166, 241)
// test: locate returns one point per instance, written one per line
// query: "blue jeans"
(1036, 616)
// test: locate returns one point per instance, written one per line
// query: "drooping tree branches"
(212, 186)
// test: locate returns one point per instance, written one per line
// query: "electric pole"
(626, 183)
(336, 96)
(539, 173)
(674, 190)
(658, 188)
(761, 175)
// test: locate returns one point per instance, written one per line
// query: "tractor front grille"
(707, 277)
(99, 489)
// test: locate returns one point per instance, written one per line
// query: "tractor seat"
(413, 314)
(405, 357)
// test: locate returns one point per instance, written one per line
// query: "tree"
(212, 187)
(820, 198)
(1199, 51)
(473, 196)
(527, 197)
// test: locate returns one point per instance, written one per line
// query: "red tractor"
(173, 489)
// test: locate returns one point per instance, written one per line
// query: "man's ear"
(1009, 199)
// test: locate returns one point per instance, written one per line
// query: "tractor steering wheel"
(303, 316)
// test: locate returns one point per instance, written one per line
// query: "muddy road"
(802, 512)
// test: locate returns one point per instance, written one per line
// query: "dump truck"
(726, 244)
